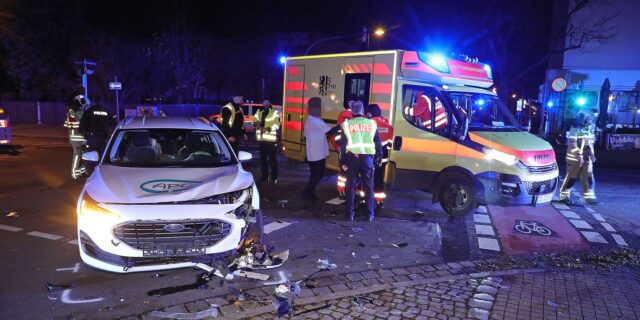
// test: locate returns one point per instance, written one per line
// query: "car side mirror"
(92, 156)
(244, 156)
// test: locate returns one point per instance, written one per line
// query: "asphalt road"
(38, 247)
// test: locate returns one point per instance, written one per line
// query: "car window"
(169, 147)
(424, 108)
(246, 111)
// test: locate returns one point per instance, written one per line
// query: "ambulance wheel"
(458, 196)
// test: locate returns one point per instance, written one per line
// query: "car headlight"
(89, 208)
(492, 154)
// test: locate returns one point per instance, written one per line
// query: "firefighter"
(385, 130)
(77, 141)
(335, 133)
(357, 157)
(580, 158)
(95, 125)
(233, 121)
(267, 123)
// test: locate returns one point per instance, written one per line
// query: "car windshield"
(169, 148)
(485, 112)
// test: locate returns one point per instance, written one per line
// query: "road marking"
(9, 228)
(44, 235)
(593, 236)
(74, 269)
(66, 299)
(488, 244)
(482, 209)
(598, 217)
(589, 209)
(484, 230)
(570, 214)
(579, 224)
(561, 206)
(274, 226)
(608, 227)
(481, 218)
(73, 242)
(619, 240)
(336, 201)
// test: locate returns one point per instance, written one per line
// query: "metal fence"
(53, 113)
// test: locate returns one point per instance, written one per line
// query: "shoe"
(370, 218)
(566, 201)
(274, 181)
(351, 217)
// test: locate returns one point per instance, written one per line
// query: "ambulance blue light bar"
(434, 60)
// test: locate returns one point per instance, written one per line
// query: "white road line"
(44, 235)
(73, 242)
(481, 218)
(9, 228)
(336, 201)
(598, 217)
(570, 214)
(561, 206)
(482, 209)
(619, 240)
(590, 210)
(579, 224)
(484, 230)
(488, 244)
(593, 236)
(607, 227)
(274, 226)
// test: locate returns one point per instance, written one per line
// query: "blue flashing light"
(549, 104)
(283, 59)
(581, 101)
(480, 102)
(487, 68)
(434, 60)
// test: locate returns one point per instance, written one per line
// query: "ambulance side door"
(421, 146)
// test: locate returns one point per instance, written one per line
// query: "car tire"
(457, 195)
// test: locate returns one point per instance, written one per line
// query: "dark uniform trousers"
(268, 159)
(362, 166)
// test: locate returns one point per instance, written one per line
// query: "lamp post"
(378, 33)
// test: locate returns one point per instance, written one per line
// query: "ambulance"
(453, 137)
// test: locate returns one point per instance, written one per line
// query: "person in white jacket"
(315, 130)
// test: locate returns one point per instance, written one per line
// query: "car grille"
(142, 234)
(542, 169)
(535, 187)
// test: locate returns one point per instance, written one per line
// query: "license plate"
(173, 250)
(542, 199)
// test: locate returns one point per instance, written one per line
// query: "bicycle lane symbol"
(534, 228)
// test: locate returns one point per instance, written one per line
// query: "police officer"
(335, 134)
(357, 157)
(233, 121)
(580, 158)
(267, 123)
(95, 126)
(385, 130)
(76, 139)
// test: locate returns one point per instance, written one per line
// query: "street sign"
(559, 84)
(115, 85)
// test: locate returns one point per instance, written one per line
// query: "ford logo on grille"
(174, 227)
(542, 157)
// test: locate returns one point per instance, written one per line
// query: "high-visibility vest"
(233, 112)
(360, 133)
(72, 123)
(271, 123)
(577, 140)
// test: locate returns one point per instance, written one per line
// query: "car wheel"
(458, 195)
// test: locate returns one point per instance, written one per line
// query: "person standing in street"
(385, 130)
(233, 122)
(580, 158)
(77, 141)
(336, 135)
(267, 123)
(315, 134)
(357, 157)
(95, 125)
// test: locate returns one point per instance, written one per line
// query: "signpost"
(85, 73)
(117, 86)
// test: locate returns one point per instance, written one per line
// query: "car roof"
(172, 122)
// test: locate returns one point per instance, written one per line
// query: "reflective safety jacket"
(271, 124)
(232, 120)
(580, 144)
(385, 130)
(72, 123)
(360, 133)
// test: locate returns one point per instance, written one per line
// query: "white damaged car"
(169, 192)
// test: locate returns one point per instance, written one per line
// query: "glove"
(378, 162)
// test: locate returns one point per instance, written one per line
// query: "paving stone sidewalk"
(446, 291)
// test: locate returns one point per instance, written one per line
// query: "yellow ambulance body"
(452, 136)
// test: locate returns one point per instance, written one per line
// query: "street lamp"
(379, 32)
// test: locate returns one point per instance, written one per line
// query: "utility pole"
(85, 73)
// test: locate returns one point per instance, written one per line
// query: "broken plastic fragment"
(356, 229)
(281, 305)
(295, 287)
(209, 313)
(282, 289)
(282, 203)
(55, 287)
(400, 245)
(325, 265)
(552, 304)
(375, 256)
(11, 214)
(353, 254)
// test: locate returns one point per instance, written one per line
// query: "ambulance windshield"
(485, 112)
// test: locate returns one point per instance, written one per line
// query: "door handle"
(397, 143)
(289, 117)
